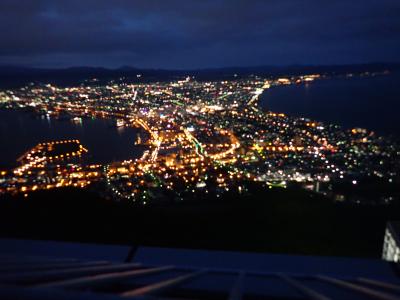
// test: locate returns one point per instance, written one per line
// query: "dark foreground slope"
(280, 221)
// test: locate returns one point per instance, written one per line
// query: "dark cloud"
(198, 33)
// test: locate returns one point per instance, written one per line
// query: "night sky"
(197, 33)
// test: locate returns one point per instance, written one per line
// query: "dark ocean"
(368, 102)
(20, 131)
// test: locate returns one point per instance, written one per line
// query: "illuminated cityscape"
(180, 149)
(200, 138)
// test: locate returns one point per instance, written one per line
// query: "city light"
(198, 137)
